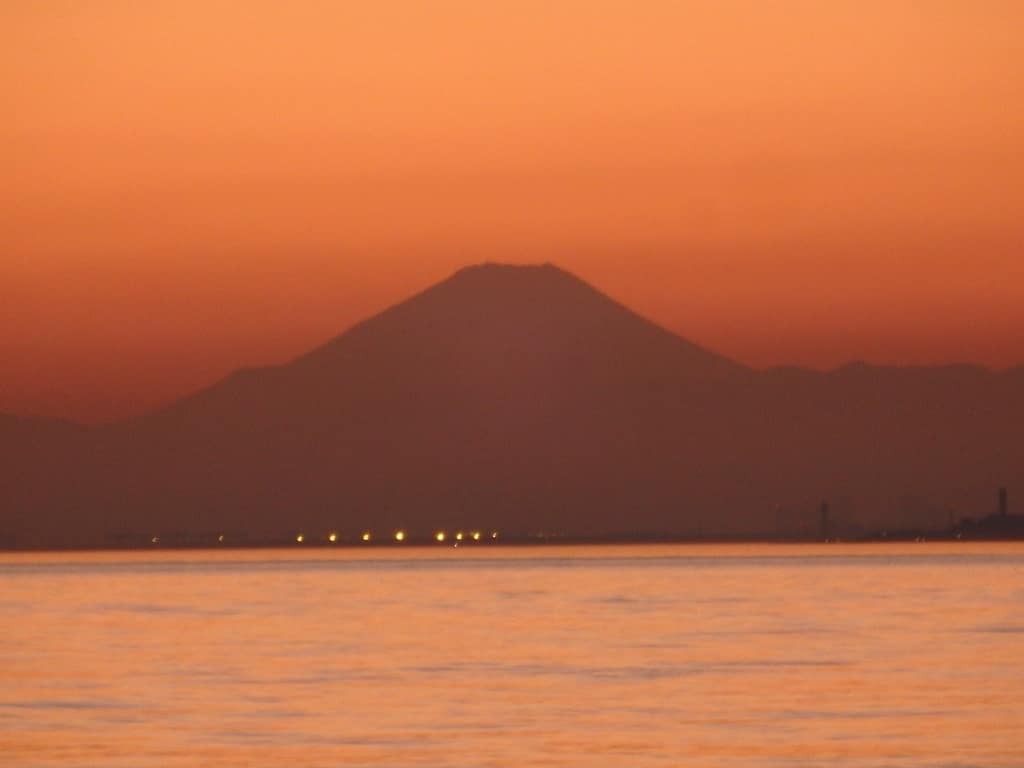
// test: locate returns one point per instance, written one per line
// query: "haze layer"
(193, 186)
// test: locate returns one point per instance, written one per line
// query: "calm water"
(763, 655)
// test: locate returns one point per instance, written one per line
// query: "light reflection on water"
(758, 655)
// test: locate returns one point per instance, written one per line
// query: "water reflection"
(646, 656)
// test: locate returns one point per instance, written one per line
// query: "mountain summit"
(492, 313)
(531, 335)
(520, 398)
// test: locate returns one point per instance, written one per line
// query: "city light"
(299, 539)
(332, 538)
(366, 536)
(399, 535)
(439, 535)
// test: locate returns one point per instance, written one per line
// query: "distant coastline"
(992, 528)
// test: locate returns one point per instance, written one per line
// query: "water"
(849, 655)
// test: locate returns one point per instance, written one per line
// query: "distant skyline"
(191, 187)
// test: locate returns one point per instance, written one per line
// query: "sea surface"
(699, 655)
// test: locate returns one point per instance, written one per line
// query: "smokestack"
(1002, 502)
(824, 521)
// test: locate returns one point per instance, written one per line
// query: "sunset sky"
(188, 187)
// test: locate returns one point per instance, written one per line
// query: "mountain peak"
(494, 273)
(497, 267)
(490, 332)
(524, 320)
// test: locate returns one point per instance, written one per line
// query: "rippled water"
(761, 655)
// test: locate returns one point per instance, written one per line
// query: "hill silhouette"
(519, 398)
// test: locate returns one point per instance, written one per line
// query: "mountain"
(519, 398)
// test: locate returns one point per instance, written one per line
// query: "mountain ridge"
(549, 268)
(524, 399)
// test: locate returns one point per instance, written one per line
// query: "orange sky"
(192, 186)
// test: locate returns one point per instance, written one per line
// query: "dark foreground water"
(849, 655)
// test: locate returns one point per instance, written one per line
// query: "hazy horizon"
(118, 409)
(190, 189)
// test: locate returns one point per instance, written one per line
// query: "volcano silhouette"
(520, 399)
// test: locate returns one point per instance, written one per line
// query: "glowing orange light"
(366, 536)
(439, 535)
(332, 538)
(299, 539)
(399, 535)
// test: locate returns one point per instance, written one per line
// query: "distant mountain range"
(520, 399)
